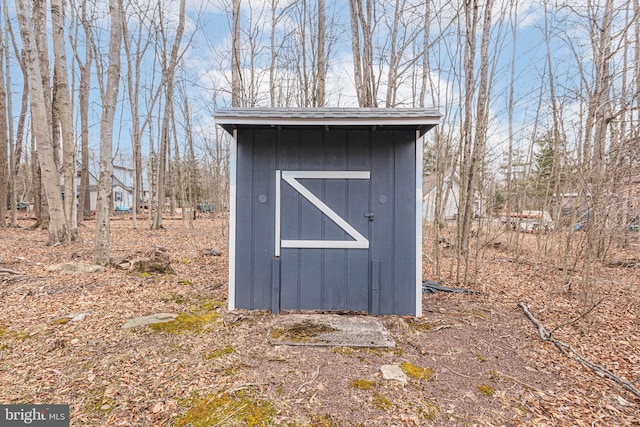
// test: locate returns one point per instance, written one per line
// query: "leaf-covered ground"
(475, 359)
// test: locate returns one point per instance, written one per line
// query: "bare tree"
(15, 146)
(362, 23)
(4, 139)
(236, 75)
(136, 44)
(109, 101)
(320, 87)
(168, 67)
(63, 106)
(58, 231)
(84, 199)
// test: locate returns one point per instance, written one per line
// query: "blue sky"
(206, 66)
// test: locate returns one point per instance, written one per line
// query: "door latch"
(369, 215)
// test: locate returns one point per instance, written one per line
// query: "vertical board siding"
(359, 197)
(310, 278)
(327, 279)
(263, 213)
(244, 222)
(405, 219)
(383, 232)
(335, 195)
(288, 158)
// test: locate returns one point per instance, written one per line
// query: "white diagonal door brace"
(291, 177)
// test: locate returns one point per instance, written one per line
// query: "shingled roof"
(420, 118)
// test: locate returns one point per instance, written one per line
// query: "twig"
(566, 349)
(6, 270)
(315, 376)
(231, 414)
(238, 388)
(458, 373)
(593, 307)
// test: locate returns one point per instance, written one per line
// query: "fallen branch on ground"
(6, 270)
(568, 351)
(315, 376)
(430, 287)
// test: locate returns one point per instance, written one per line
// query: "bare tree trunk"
(363, 56)
(322, 66)
(274, 53)
(393, 58)
(425, 54)
(14, 145)
(135, 46)
(4, 140)
(58, 232)
(601, 110)
(109, 100)
(513, 12)
(65, 114)
(471, 18)
(84, 199)
(236, 75)
(169, 75)
(177, 167)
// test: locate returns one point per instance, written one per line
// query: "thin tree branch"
(567, 350)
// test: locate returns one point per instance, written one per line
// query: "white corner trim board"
(291, 178)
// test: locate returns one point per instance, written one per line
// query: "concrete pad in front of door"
(330, 330)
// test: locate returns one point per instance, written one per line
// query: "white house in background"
(450, 196)
(121, 189)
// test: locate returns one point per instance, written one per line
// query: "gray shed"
(326, 208)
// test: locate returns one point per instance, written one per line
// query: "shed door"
(322, 239)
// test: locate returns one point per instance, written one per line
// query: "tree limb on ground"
(315, 376)
(6, 270)
(568, 351)
(430, 287)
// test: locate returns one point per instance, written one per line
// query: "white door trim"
(291, 178)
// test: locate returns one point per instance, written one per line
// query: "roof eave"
(424, 119)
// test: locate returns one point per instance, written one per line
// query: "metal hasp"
(306, 186)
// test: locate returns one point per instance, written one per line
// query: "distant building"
(122, 189)
(451, 197)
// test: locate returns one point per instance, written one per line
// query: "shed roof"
(419, 118)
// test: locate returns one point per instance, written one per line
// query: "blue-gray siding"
(327, 279)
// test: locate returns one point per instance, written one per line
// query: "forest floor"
(476, 359)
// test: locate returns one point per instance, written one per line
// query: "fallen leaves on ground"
(61, 340)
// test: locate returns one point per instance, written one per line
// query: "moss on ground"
(417, 372)
(324, 420)
(96, 405)
(219, 352)
(345, 351)
(428, 411)
(8, 335)
(299, 332)
(241, 408)
(361, 384)
(419, 325)
(486, 390)
(381, 402)
(200, 319)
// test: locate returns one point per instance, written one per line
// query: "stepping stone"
(149, 320)
(76, 268)
(393, 373)
(330, 330)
